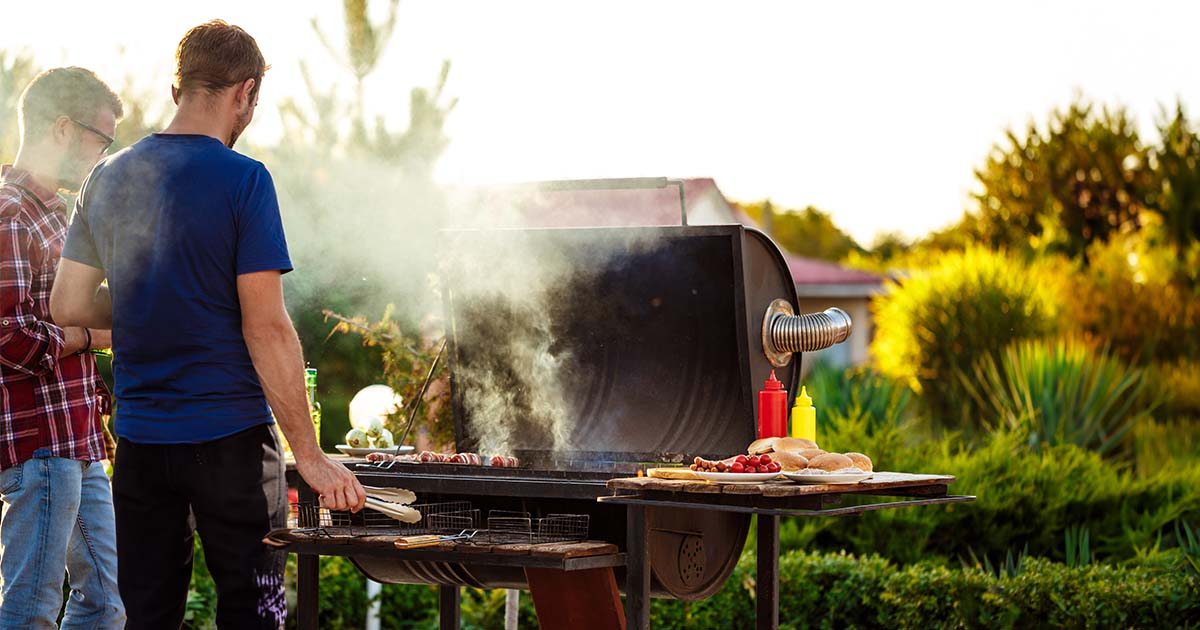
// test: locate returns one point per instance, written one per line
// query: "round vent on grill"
(691, 560)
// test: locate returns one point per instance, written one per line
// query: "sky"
(876, 112)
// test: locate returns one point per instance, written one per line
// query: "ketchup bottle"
(772, 409)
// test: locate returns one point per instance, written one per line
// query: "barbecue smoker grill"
(592, 354)
(661, 338)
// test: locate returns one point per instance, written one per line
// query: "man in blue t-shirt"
(188, 234)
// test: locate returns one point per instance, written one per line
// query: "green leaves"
(1059, 392)
(938, 322)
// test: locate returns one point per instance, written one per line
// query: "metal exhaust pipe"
(785, 333)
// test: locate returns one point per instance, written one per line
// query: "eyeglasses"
(108, 140)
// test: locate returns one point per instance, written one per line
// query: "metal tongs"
(429, 540)
(393, 503)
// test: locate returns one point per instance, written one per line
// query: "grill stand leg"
(449, 604)
(637, 570)
(767, 569)
(307, 586)
(307, 574)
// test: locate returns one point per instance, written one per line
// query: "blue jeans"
(58, 515)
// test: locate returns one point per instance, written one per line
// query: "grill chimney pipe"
(785, 333)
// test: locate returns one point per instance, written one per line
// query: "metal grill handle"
(785, 333)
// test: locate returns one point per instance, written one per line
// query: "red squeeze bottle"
(772, 409)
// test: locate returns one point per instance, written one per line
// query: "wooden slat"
(512, 550)
(574, 550)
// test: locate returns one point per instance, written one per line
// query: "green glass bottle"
(314, 407)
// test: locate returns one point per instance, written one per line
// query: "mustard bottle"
(804, 417)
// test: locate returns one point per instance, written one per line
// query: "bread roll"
(830, 462)
(810, 453)
(789, 461)
(861, 461)
(779, 445)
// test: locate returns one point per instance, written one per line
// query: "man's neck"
(200, 118)
(40, 167)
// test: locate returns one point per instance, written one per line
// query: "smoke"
(514, 293)
(381, 238)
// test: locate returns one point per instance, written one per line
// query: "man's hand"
(333, 483)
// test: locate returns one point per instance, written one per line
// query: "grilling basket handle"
(785, 333)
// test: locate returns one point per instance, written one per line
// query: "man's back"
(172, 221)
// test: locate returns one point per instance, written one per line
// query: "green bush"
(1024, 500)
(1135, 296)
(1060, 392)
(856, 392)
(941, 321)
(1165, 444)
(844, 591)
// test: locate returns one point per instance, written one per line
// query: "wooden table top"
(881, 481)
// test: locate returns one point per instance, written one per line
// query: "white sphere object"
(373, 401)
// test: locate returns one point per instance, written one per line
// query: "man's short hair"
(216, 55)
(74, 92)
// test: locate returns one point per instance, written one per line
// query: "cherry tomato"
(765, 459)
(754, 461)
(742, 459)
(738, 467)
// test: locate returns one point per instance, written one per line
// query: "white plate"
(728, 477)
(827, 478)
(362, 452)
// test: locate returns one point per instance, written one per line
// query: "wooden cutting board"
(678, 472)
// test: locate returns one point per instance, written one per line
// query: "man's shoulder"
(13, 206)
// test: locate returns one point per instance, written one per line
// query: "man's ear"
(175, 94)
(60, 130)
(246, 93)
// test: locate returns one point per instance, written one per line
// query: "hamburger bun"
(830, 462)
(861, 461)
(779, 445)
(810, 453)
(789, 461)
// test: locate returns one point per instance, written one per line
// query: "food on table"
(830, 462)
(385, 440)
(790, 462)
(779, 444)
(429, 457)
(374, 427)
(861, 461)
(811, 453)
(356, 438)
(737, 464)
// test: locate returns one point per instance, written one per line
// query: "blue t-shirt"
(173, 220)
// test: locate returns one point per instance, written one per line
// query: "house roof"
(706, 205)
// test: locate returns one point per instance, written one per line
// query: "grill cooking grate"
(448, 518)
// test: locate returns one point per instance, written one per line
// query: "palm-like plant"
(1060, 392)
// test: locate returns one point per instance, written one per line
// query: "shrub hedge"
(844, 591)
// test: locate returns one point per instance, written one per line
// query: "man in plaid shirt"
(58, 510)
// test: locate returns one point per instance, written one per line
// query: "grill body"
(654, 337)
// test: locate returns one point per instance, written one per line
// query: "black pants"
(236, 490)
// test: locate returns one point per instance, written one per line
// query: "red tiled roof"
(647, 207)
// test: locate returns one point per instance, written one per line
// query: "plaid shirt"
(45, 401)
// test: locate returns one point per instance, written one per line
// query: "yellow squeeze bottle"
(804, 417)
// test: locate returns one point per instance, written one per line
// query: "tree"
(1177, 162)
(809, 232)
(365, 44)
(1086, 177)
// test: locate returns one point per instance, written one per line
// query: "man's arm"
(275, 350)
(77, 297)
(27, 344)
